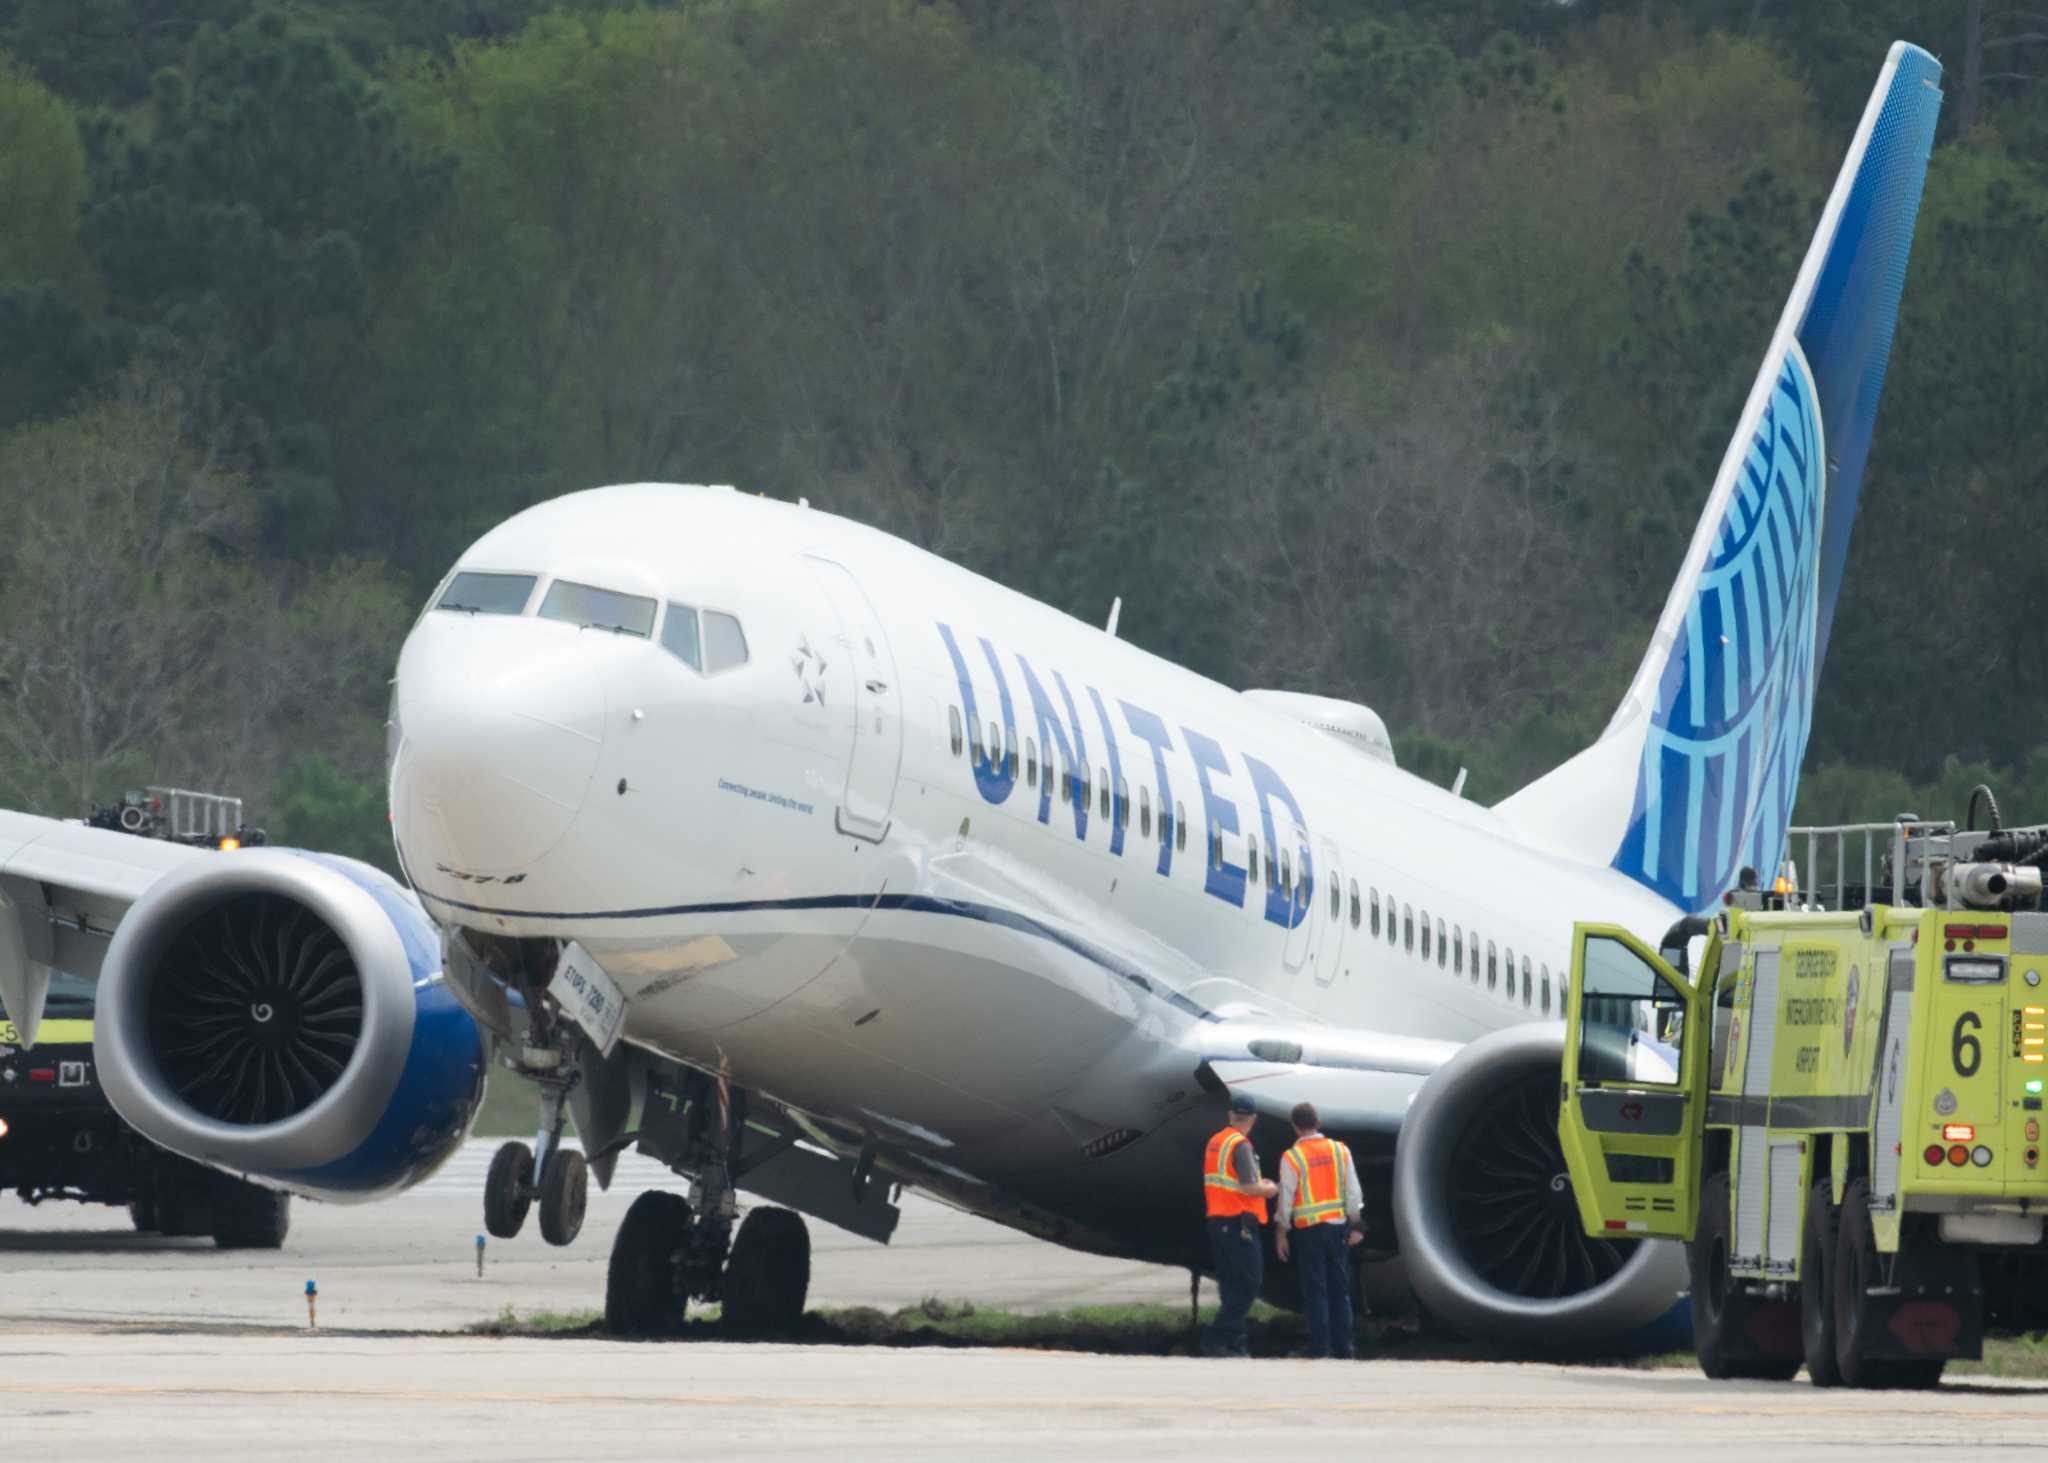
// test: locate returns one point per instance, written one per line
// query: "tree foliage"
(1374, 347)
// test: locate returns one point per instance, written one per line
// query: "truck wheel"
(564, 1190)
(1855, 1272)
(768, 1274)
(643, 1288)
(182, 1202)
(508, 1189)
(142, 1214)
(1734, 1334)
(249, 1217)
(1816, 1287)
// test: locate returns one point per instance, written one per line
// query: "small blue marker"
(312, 1301)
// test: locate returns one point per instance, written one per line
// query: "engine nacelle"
(280, 1015)
(1489, 1229)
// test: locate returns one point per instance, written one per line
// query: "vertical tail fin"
(1696, 773)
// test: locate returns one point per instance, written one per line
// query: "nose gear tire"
(508, 1190)
(564, 1189)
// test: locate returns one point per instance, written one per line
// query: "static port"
(1981, 1156)
(1959, 1155)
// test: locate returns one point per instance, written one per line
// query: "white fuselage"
(810, 872)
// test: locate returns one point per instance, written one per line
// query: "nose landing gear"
(559, 1177)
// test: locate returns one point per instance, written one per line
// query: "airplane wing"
(1360, 1081)
(63, 889)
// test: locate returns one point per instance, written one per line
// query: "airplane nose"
(499, 733)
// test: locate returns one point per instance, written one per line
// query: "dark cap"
(1243, 1105)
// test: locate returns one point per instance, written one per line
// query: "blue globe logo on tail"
(1728, 731)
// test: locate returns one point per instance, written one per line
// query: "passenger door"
(877, 703)
(1631, 1126)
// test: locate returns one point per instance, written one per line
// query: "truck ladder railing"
(1897, 849)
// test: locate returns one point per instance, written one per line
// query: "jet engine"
(1490, 1232)
(281, 1015)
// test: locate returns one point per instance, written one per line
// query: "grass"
(2015, 1356)
(511, 1107)
(1133, 1330)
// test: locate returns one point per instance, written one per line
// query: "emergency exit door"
(877, 749)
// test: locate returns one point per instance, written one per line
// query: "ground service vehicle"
(1842, 1115)
(59, 1136)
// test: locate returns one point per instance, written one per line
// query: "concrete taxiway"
(118, 1345)
(410, 1263)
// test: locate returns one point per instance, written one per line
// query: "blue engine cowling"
(281, 1015)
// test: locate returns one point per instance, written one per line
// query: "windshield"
(487, 594)
(600, 609)
(70, 998)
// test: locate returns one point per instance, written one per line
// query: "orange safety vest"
(1221, 1191)
(1322, 1168)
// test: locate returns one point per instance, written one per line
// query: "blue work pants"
(1322, 1258)
(1240, 1266)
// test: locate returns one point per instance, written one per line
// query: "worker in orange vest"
(1320, 1200)
(1235, 1198)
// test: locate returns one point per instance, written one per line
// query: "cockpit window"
(725, 644)
(487, 594)
(679, 636)
(599, 609)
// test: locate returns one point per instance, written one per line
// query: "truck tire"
(142, 1214)
(1856, 1270)
(1816, 1287)
(250, 1217)
(1734, 1334)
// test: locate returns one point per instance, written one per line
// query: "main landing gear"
(671, 1250)
(558, 1177)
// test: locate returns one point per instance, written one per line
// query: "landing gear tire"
(1816, 1288)
(249, 1217)
(643, 1293)
(564, 1190)
(767, 1275)
(1734, 1334)
(508, 1190)
(142, 1214)
(1855, 1272)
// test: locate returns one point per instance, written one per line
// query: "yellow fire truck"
(1841, 1115)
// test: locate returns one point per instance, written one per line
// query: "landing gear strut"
(670, 1250)
(559, 1177)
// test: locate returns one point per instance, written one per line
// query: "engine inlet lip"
(336, 1122)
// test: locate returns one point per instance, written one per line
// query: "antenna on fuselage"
(1458, 785)
(1116, 608)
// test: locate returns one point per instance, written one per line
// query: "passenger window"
(1528, 991)
(980, 752)
(1443, 954)
(1030, 762)
(1546, 990)
(1425, 934)
(1374, 901)
(1408, 925)
(487, 594)
(1144, 812)
(1215, 849)
(1010, 757)
(1251, 859)
(1511, 972)
(1301, 881)
(588, 607)
(953, 716)
(995, 745)
(1357, 909)
(1180, 827)
(679, 636)
(1334, 897)
(725, 644)
(1492, 966)
(1286, 873)
(1123, 803)
(1102, 780)
(1087, 788)
(1457, 949)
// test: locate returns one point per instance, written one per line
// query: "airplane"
(845, 868)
